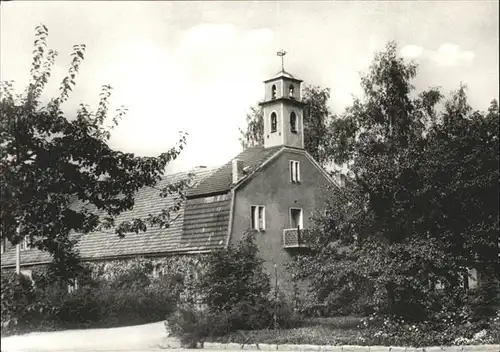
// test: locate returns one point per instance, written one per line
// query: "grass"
(317, 331)
(347, 331)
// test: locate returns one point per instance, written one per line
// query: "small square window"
(294, 171)
(258, 217)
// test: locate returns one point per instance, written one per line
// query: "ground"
(152, 337)
(132, 338)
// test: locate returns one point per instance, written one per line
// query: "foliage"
(18, 303)
(194, 326)
(370, 332)
(135, 304)
(449, 331)
(233, 276)
(234, 294)
(49, 161)
(95, 303)
(253, 136)
(136, 276)
(421, 205)
(317, 117)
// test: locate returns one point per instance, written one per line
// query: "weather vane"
(282, 53)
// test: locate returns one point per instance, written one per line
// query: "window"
(3, 246)
(258, 217)
(293, 122)
(294, 171)
(273, 92)
(295, 218)
(290, 91)
(274, 122)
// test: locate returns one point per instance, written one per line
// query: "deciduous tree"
(421, 206)
(49, 161)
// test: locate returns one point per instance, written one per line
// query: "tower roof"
(283, 74)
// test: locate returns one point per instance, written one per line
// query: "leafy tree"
(317, 117)
(233, 276)
(234, 288)
(422, 204)
(49, 161)
(253, 136)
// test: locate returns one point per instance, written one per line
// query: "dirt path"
(131, 338)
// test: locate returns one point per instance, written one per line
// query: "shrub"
(485, 299)
(236, 294)
(125, 299)
(451, 330)
(19, 304)
(135, 303)
(494, 329)
(193, 325)
(234, 275)
(78, 309)
(136, 277)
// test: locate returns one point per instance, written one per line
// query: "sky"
(198, 67)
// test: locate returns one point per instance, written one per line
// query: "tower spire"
(282, 53)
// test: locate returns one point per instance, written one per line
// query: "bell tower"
(283, 110)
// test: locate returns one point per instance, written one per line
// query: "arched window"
(291, 91)
(293, 122)
(274, 122)
(273, 92)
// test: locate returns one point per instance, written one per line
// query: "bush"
(136, 304)
(127, 299)
(448, 331)
(234, 275)
(485, 299)
(494, 329)
(236, 294)
(193, 325)
(19, 304)
(80, 308)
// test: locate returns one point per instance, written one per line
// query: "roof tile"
(205, 223)
(220, 181)
(97, 245)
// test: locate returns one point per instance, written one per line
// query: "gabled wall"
(272, 188)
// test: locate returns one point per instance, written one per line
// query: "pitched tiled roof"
(220, 181)
(98, 245)
(206, 222)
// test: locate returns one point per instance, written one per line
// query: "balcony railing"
(295, 238)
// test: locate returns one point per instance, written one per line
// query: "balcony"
(295, 238)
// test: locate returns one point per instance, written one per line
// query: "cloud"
(448, 54)
(412, 51)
